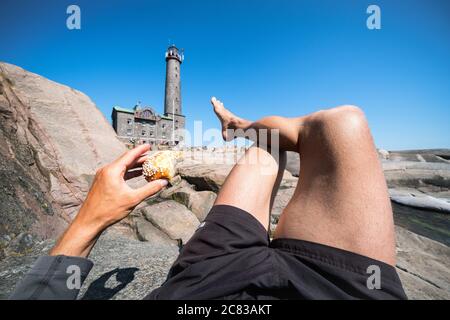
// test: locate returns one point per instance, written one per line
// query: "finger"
(133, 174)
(138, 163)
(150, 189)
(129, 158)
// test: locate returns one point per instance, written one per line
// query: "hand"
(109, 200)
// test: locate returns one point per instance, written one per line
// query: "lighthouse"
(172, 97)
(172, 101)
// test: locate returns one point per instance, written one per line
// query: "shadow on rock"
(99, 291)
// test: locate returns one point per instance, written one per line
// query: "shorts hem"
(336, 257)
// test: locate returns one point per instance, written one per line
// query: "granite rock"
(172, 218)
(53, 138)
(423, 266)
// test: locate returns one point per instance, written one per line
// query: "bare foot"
(227, 119)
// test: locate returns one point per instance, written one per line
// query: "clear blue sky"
(259, 57)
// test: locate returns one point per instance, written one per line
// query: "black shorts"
(230, 256)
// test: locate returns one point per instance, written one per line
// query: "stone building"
(143, 124)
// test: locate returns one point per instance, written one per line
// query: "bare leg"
(253, 183)
(233, 126)
(341, 199)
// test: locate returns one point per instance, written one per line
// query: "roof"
(117, 108)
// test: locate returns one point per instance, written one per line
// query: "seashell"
(161, 165)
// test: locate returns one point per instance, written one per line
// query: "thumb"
(150, 188)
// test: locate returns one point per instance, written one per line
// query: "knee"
(262, 158)
(344, 122)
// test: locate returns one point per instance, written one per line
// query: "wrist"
(85, 220)
(78, 239)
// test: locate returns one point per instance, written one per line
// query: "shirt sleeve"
(53, 278)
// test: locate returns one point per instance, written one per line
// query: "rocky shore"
(54, 138)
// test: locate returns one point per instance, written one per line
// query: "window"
(129, 132)
(129, 121)
(151, 133)
(146, 114)
(163, 135)
(163, 125)
(143, 132)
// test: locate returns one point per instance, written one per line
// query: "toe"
(224, 135)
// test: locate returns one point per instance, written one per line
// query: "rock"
(172, 218)
(20, 244)
(205, 176)
(146, 231)
(281, 200)
(384, 154)
(416, 174)
(168, 192)
(14, 267)
(416, 199)
(199, 202)
(53, 140)
(293, 163)
(423, 265)
(175, 180)
(126, 268)
(426, 155)
(288, 181)
(62, 113)
(4, 241)
(416, 289)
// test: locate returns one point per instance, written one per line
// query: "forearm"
(60, 274)
(78, 240)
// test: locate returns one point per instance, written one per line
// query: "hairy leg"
(341, 199)
(233, 127)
